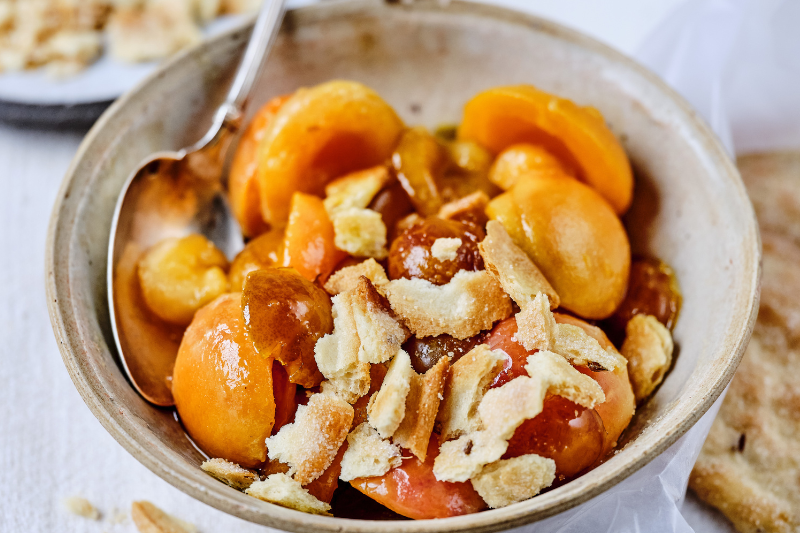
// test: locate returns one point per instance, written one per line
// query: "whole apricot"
(222, 387)
(574, 237)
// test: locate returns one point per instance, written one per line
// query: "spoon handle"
(264, 34)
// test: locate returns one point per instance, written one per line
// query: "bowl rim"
(199, 485)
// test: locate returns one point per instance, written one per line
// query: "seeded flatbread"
(749, 467)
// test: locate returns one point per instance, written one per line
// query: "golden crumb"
(422, 405)
(445, 248)
(355, 190)
(81, 507)
(514, 480)
(368, 455)
(347, 278)
(512, 267)
(309, 444)
(648, 349)
(536, 325)
(150, 519)
(282, 490)
(360, 232)
(229, 473)
(388, 406)
(471, 302)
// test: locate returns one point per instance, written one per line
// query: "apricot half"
(319, 134)
(222, 387)
(578, 136)
(574, 237)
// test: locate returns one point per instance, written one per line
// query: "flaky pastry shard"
(503, 409)
(367, 454)
(536, 326)
(648, 348)
(229, 473)
(514, 480)
(422, 405)
(380, 335)
(513, 269)
(581, 349)
(468, 381)
(282, 490)
(310, 443)
(469, 303)
(387, 407)
(348, 277)
(360, 232)
(466, 206)
(356, 189)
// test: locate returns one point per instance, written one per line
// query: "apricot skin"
(574, 237)
(223, 389)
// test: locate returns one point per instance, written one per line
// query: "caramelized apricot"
(524, 160)
(264, 251)
(574, 237)
(411, 254)
(577, 136)
(308, 245)
(420, 161)
(243, 192)
(413, 491)
(179, 276)
(319, 134)
(223, 388)
(285, 315)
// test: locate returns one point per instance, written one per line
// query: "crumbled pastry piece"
(232, 7)
(380, 335)
(465, 457)
(360, 232)
(445, 248)
(368, 454)
(282, 490)
(467, 304)
(229, 473)
(581, 349)
(81, 507)
(648, 349)
(150, 519)
(472, 203)
(408, 222)
(388, 406)
(512, 267)
(536, 326)
(336, 354)
(151, 30)
(468, 381)
(514, 480)
(422, 405)
(355, 190)
(309, 444)
(348, 277)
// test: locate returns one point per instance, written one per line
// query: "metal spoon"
(173, 194)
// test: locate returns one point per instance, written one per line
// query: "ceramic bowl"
(427, 59)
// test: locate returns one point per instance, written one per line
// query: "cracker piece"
(229, 473)
(513, 480)
(336, 353)
(347, 278)
(81, 507)
(309, 444)
(150, 519)
(512, 267)
(748, 467)
(648, 349)
(536, 326)
(465, 206)
(356, 189)
(468, 381)
(408, 222)
(388, 406)
(368, 454)
(282, 490)
(461, 459)
(445, 248)
(380, 335)
(422, 404)
(581, 349)
(468, 304)
(360, 232)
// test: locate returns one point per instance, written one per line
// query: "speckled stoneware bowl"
(426, 59)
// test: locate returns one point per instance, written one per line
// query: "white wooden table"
(51, 446)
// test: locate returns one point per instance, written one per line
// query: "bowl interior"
(426, 60)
